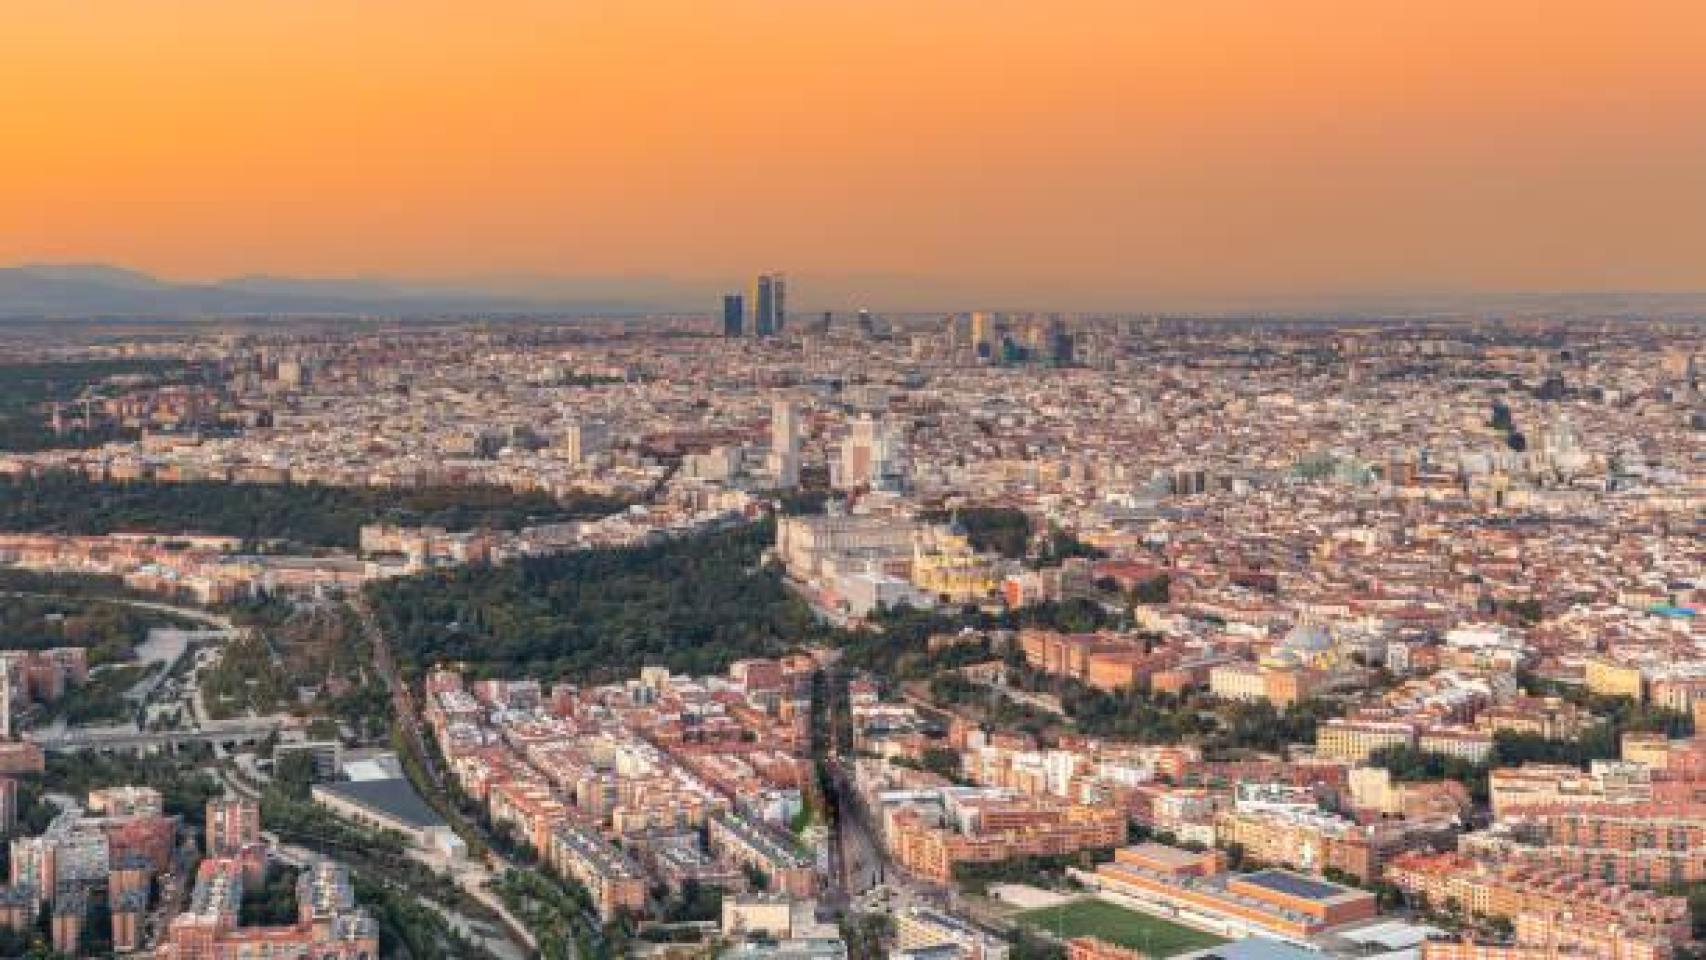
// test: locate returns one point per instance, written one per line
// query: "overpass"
(243, 734)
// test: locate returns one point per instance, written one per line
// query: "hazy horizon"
(810, 294)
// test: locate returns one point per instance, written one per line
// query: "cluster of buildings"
(329, 924)
(197, 568)
(1456, 532)
(111, 851)
(857, 565)
(38, 676)
(116, 858)
(659, 780)
(936, 833)
(1613, 831)
(764, 313)
(1563, 911)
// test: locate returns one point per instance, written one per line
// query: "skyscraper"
(584, 439)
(734, 314)
(871, 458)
(785, 444)
(769, 313)
(984, 334)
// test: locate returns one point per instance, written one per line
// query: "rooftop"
(395, 799)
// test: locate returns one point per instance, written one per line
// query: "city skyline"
(780, 480)
(1131, 156)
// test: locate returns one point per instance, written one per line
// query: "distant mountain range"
(98, 290)
(68, 291)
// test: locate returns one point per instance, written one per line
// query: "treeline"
(409, 927)
(101, 700)
(68, 585)
(185, 780)
(1002, 530)
(245, 679)
(1222, 728)
(107, 630)
(27, 390)
(307, 515)
(1218, 726)
(395, 888)
(1008, 531)
(694, 604)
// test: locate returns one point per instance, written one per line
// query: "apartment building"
(738, 838)
(1000, 828)
(232, 824)
(1356, 740)
(329, 925)
(1651, 844)
(615, 881)
(1510, 891)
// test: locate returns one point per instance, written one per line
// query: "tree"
(1156, 590)
(294, 774)
(1235, 854)
(943, 761)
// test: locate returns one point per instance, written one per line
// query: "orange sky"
(1121, 153)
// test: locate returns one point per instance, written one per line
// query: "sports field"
(1090, 917)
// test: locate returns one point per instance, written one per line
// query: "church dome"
(1308, 638)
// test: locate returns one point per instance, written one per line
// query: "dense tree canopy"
(107, 630)
(1002, 530)
(312, 516)
(694, 604)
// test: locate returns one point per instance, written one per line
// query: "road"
(862, 860)
(856, 856)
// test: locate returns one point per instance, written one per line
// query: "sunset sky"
(1078, 154)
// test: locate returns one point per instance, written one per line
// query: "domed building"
(1309, 646)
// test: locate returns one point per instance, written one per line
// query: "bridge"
(234, 735)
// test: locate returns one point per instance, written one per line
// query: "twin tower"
(765, 302)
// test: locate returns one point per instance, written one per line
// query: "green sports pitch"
(1090, 917)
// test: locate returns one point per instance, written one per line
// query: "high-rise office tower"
(984, 335)
(871, 458)
(734, 314)
(769, 311)
(785, 444)
(1059, 342)
(584, 439)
